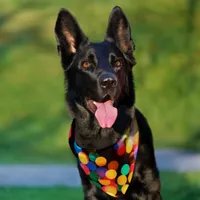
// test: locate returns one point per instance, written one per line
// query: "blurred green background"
(34, 122)
(33, 118)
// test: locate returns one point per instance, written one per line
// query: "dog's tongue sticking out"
(106, 114)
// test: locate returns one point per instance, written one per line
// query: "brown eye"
(85, 64)
(118, 64)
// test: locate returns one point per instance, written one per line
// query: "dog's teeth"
(94, 102)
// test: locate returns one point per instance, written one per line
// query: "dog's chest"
(110, 169)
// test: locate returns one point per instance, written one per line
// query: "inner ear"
(69, 35)
(119, 32)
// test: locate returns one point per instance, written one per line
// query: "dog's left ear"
(119, 32)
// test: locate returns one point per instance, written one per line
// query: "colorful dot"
(125, 169)
(130, 177)
(136, 138)
(122, 180)
(100, 161)
(96, 183)
(132, 167)
(85, 169)
(101, 171)
(111, 174)
(124, 188)
(136, 151)
(112, 191)
(93, 176)
(93, 156)
(83, 157)
(91, 166)
(131, 155)
(121, 150)
(113, 165)
(77, 148)
(104, 181)
(129, 145)
(116, 146)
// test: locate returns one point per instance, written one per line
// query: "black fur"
(83, 84)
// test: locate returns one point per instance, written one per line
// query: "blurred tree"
(190, 29)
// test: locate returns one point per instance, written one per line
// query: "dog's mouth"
(104, 111)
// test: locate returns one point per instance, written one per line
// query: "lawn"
(34, 122)
(182, 186)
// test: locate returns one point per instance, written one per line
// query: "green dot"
(93, 176)
(97, 184)
(125, 169)
(119, 188)
(93, 156)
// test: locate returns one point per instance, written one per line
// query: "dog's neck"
(89, 135)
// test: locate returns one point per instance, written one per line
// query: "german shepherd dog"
(109, 137)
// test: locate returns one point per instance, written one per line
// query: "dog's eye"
(85, 64)
(118, 64)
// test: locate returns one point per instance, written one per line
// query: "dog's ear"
(69, 36)
(119, 32)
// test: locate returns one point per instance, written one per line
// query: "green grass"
(33, 119)
(182, 186)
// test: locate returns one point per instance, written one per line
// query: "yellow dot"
(100, 161)
(104, 181)
(83, 158)
(129, 145)
(111, 174)
(124, 188)
(111, 190)
(130, 177)
(122, 180)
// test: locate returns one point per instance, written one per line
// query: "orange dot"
(122, 180)
(130, 177)
(111, 174)
(83, 158)
(132, 155)
(124, 188)
(104, 181)
(100, 161)
(113, 165)
(136, 138)
(112, 191)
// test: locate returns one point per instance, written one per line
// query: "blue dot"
(77, 148)
(116, 146)
(92, 166)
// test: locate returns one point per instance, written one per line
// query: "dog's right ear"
(69, 36)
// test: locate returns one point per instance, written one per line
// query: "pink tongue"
(106, 114)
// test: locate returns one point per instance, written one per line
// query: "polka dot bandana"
(111, 169)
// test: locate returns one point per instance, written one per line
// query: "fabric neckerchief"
(110, 169)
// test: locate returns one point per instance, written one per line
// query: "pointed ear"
(119, 32)
(69, 36)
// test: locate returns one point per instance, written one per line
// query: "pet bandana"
(110, 169)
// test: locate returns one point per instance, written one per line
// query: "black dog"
(110, 138)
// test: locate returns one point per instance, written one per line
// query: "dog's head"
(98, 75)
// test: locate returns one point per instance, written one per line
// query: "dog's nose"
(108, 81)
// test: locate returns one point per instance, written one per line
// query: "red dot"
(85, 169)
(132, 167)
(121, 150)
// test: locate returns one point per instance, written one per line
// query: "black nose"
(108, 81)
